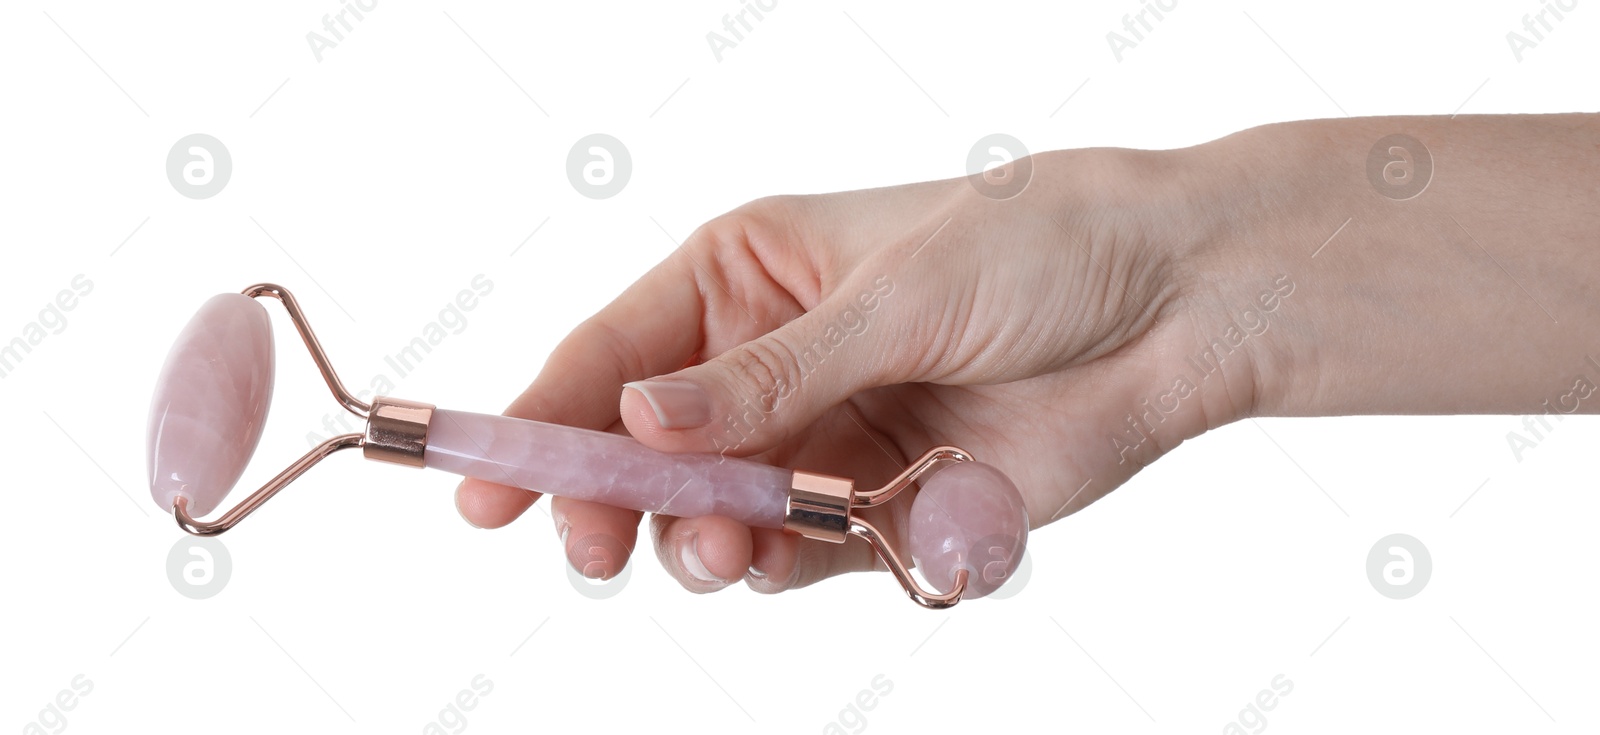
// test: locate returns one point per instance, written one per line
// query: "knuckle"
(598, 334)
(755, 225)
(765, 368)
(767, 209)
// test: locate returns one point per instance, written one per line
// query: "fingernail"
(759, 575)
(595, 569)
(689, 556)
(678, 404)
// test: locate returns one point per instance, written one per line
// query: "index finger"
(654, 327)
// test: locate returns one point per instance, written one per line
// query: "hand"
(1123, 302)
(848, 333)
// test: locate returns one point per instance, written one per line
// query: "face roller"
(967, 528)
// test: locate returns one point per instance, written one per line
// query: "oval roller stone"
(969, 516)
(210, 403)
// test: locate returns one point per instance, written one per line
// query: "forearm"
(1478, 295)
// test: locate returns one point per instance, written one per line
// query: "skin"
(1038, 331)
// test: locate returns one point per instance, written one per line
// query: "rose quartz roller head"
(967, 530)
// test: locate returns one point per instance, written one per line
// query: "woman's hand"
(847, 333)
(1123, 302)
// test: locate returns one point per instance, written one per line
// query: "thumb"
(752, 397)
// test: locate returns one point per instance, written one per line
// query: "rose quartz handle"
(606, 468)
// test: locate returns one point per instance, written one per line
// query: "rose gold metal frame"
(397, 431)
(902, 573)
(180, 510)
(820, 506)
(826, 508)
(344, 397)
(930, 460)
(180, 505)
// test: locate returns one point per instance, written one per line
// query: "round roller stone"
(210, 403)
(968, 516)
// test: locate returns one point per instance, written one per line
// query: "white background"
(379, 181)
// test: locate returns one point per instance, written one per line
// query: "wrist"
(1465, 294)
(1277, 196)
(1197, 213)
